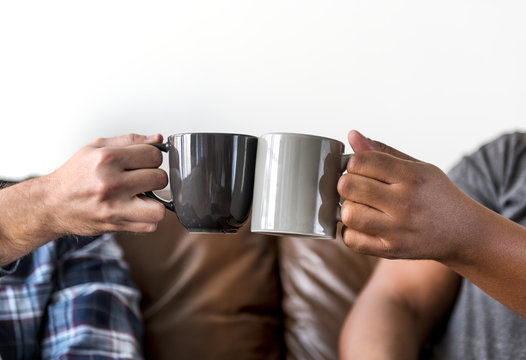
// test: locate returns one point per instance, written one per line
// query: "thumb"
(359, 142)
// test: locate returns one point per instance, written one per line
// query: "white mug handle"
(343, 167)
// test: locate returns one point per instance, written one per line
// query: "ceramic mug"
(295, 188)
(211, 180)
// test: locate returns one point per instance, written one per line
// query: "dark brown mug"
(211, 180)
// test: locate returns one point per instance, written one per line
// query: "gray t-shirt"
(479, 327)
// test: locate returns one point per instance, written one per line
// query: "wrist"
(27, 222)
(475, 239)
(45, 203)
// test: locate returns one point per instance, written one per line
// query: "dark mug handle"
(164, 147)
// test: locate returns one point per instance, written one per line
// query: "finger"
(366, 244)
(365, 190)
(137, 157)
(142, 180)
(139, 227)
(379, 166)
(141, 214)
(132, 226)
(127, 140)
(360, 143)
(364, 219)
(146, 210)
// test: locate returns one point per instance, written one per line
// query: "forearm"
(378, 328)
(26, 220)
(397, 309)
(492, 257)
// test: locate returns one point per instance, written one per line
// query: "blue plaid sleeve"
(94, 313)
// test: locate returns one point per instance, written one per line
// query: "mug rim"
(293, 233)
(211, 133)
(292, 134)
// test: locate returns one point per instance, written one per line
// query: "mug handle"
(343, 162)
(343, 167)
(164, 147)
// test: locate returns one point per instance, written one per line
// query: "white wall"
(433, 78)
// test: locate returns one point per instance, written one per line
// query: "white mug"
(295, 185)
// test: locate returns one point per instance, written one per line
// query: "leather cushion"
(321, 279)
(207, 296)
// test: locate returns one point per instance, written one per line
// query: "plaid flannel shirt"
(71, 298)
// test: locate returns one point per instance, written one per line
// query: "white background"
(433, 78)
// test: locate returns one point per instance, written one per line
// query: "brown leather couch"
(243, 296)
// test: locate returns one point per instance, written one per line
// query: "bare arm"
(397, 310)
(398, 207)
(96, 191)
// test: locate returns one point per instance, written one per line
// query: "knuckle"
(347, 239)
(344, 184)
(102, 189)
(107, 214)
(350, 240)
(133, 138)
(153, 212)
(98, 142)
(346, 213)
(356, 162)
(104, 156)
(422, 173)
(419, 176)
(159, 213)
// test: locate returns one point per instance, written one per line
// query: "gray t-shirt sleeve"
(495, 176)
(479, 327)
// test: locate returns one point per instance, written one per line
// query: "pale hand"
(98, 190)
